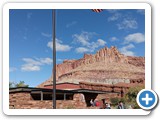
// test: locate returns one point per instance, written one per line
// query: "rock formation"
(105, 65)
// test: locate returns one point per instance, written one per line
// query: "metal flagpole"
(54, 57)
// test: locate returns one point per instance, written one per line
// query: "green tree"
(11, 84)
(130, 97)
(21, 84)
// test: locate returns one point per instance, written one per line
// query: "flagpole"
(54, 57)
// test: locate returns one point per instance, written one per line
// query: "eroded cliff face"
(136, 61)
(104, 55)
(107, 63)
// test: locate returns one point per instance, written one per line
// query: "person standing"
(92, 103)
(108, 106)
(120, 105)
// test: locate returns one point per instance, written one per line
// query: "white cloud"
(91, 47)
(101, 42)
(62, 47)
(126, 50)
(141, 11)
(50, 44)
(128, 24)
(31, 61)
(46, 34)
(112, 39)
(114, 17)
(126, 21)
(84, 39)
(46, 61)
(35, 64)
(71, 24)
(12, 69)
(83, 50)
(59, 46)
(30, 67)
(59, 60)
(115, 14)
(136, 38)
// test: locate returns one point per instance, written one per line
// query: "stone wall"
(23, 100)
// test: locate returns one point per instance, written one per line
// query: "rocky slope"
(108, 65)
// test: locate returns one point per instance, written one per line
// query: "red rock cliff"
(108, 59)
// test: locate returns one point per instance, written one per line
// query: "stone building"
(68, 95)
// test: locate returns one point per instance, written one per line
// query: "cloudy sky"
(77, 32)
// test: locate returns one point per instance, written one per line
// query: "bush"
(21, 84)
(114, 101)
(130, 97)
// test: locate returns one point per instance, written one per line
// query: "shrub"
(114, 101)
(130, 97)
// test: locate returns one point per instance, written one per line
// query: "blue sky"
(77, 32)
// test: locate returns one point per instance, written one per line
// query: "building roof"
(33, 90)
(64, 86)
(58, 83)
(91, 91)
